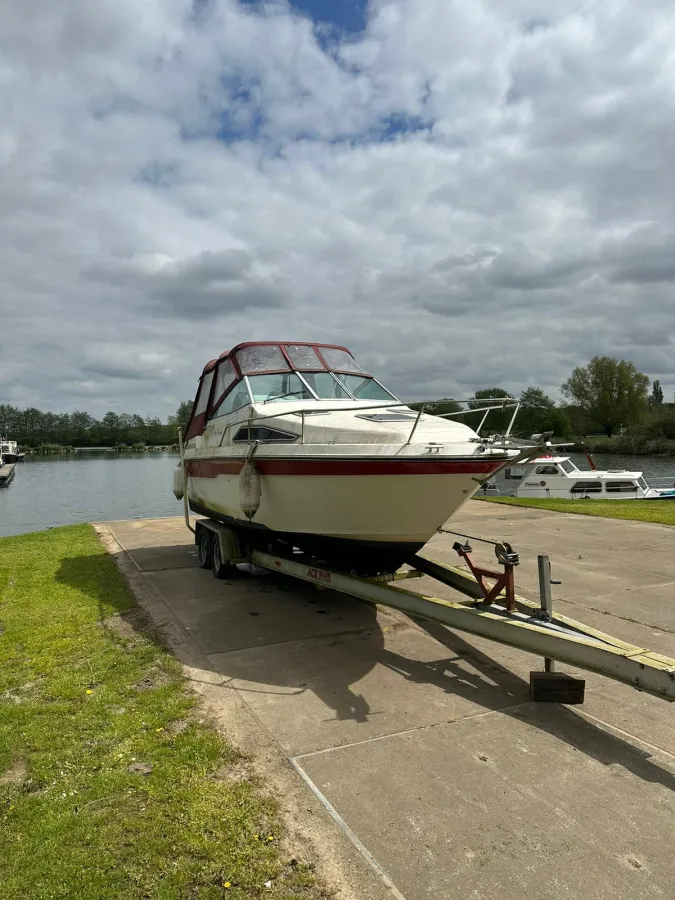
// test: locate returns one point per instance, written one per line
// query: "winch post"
(546, 600)
(549, 685)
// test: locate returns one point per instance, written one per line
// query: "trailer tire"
(205, 544)
(218, 567)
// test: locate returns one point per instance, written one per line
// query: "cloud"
(465, 194)
(209, 285)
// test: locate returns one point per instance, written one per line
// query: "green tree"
(182, 415)
(495, 393)
(656, 398)
(611, 392)
(538, 413)
(439, 407)
(535, 398)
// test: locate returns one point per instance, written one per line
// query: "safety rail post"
(419, 416)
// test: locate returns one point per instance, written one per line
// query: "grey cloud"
(208, 284)
(173, 186)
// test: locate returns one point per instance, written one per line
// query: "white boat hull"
(403, 504)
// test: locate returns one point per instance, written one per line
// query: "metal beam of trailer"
(561, 638)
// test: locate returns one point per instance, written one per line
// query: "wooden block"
(556, 687)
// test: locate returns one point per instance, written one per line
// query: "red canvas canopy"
(220, 376)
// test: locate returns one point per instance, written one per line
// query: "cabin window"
(587, 487)
(546, 470)
(261, 359)
(325, 386)
(224, 379)
(621, 487)
(204, 392)
(282, 386)
(567, 466)
(363, 388)
(340, 359)
(303, 357)
(259, 433)
(237, 398)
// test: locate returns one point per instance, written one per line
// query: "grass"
(110, 785)
(660, 512)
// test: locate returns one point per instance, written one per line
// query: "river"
(87, 487)
(95, 487)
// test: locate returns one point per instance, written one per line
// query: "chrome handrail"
(490, 404)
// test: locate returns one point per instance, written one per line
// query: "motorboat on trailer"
(559, 477)
(296, 442)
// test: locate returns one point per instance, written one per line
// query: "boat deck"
(422, 744)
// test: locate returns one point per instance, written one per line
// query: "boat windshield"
(280, 386)
(325, 386)
(363, 388)
(567, 466)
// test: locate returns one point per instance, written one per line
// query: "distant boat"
(488, 489)
(6, 472)
(558, 477)
(9, 451)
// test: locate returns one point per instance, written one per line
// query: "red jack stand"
(504, 581)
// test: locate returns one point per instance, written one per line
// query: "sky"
(467, 193)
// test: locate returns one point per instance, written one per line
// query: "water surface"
(87, 487)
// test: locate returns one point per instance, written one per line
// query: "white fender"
(250, 489)
(178, 483)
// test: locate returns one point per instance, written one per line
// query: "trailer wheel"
(205, 545)
(218, 567)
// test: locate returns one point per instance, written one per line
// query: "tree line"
(608, 403)
(33, 428)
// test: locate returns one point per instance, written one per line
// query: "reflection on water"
(88, 487)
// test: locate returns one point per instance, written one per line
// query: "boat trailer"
(488, 607)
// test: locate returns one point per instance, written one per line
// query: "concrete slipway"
(408, 757)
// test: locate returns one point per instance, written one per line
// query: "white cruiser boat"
(9, 450)
(558, 476)
(295, 441)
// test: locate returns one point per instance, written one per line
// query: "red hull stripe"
(212, 468)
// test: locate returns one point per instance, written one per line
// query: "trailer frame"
(494, 612)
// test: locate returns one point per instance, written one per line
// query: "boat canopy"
(275, 370)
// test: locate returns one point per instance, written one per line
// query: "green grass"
(86, 693)
(660, 512)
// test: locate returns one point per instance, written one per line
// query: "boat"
(6, 471)
(9, 450)
(488, 489)
(559, 477)
(296, 442)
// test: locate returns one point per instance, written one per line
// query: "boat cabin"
(256, 373)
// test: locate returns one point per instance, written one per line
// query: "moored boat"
(296, 442)
(558, 477)
(6, 471)
(9, 450)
